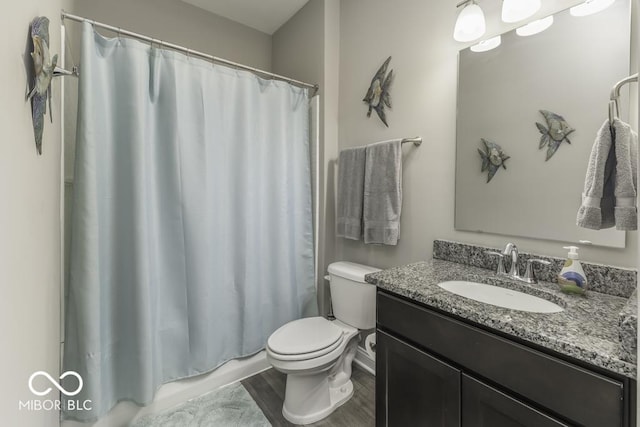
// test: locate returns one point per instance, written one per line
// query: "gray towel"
(350, 192)
(383, 192)
(626, 146)
(610, 184)
(596, 211)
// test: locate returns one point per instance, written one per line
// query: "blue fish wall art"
(378, 95)
(43, 66)
(492, 158)
(552, 135)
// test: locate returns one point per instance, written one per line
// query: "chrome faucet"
(530, 273)
(512, 249)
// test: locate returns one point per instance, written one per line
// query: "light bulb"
(486, 45)
(590, 7)
(517, 10)
(535, 27)
(470, 24)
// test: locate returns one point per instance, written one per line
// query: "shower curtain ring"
(119, 32)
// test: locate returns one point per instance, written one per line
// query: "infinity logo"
(55, 383)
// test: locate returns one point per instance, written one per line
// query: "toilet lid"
(304, 336)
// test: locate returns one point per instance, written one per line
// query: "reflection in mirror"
(541, 99)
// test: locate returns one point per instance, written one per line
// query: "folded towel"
(609, 196)
(596, 211)
(383, 192)
(626, 147)
(350, 192)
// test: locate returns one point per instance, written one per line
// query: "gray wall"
(29, 222)
(307, 48)
(418, 34)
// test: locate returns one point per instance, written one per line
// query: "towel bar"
(416, 141)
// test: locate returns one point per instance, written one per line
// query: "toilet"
(316, 353)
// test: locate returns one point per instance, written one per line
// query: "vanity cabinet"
(414, 386)
(485, 406)
(436, 370)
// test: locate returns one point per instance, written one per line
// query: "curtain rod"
(187, 51)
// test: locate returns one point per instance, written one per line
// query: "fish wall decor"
(492, 158)
(43, 66)
(556, 131)
(378, 93)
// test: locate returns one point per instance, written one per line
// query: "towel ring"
(613, 110)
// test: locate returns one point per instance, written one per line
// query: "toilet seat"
(305, 356)
(305, 339)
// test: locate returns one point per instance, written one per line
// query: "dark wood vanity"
(434, 369)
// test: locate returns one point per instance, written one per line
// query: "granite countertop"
(588, 329)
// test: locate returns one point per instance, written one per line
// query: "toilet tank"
(353, 300)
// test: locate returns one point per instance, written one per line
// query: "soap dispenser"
(571, 278)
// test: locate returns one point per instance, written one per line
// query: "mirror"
(568, 69)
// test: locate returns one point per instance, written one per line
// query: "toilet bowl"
(316, 353)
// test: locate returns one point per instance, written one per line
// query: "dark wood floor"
(267, 389)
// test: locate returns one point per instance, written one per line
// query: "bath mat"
(229, 406)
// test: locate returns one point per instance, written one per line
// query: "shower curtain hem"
(184, 377)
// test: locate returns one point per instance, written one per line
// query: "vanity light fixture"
(470, 24)
(535, 27)
(486, 45)
(518, 10)
(590, 7)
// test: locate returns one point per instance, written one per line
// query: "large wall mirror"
(568, 69)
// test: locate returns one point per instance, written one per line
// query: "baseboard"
(365, 361)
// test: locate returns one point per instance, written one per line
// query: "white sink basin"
(500, 297)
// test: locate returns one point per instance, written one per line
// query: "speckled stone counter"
(588, 329)
(605, 279)
(629, 329)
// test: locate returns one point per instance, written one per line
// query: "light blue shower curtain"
(192, 228)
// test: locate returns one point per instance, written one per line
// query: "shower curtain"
(192, 234)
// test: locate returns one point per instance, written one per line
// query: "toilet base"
(319, 401)
(320, 386)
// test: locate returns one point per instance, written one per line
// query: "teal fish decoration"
(378, 93)
(492, 158)
(556, 131)
(43, 66)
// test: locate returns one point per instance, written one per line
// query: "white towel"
(383, 192)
